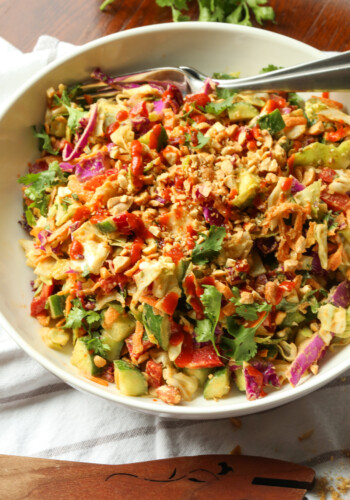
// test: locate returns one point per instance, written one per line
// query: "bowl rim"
(146, 405)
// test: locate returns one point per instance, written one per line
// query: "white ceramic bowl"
(208, 47)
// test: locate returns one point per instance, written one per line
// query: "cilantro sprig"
(249, 312)
(205, 328)
(229, 11)
(75, 114)
(209, 248)
(240, 344)
(39, 186)
(45, 141)
(91, 321)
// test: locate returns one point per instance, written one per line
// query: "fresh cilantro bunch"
(229, 11)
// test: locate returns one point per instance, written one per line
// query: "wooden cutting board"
(205, 477)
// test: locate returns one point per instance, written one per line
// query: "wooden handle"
(186, 478)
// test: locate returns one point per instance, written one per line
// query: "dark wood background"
(325, 24)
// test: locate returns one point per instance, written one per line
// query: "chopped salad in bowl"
(184, 245)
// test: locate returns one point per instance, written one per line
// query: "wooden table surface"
(325, 24)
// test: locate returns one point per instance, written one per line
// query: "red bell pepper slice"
(38, 303)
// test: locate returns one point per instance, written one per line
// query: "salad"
(190, 245)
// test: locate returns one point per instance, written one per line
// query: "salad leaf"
(241, 344)
(205, 329)
(44, 141)
(94, 343)
(216, 108)
(202, 140)
(209, 248)
(225, 76)
(40, 184)
(273, 122)
(151, 321)
(248, 312)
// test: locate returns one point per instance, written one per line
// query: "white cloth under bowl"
(40, 416)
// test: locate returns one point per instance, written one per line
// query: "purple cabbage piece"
(296, 186)
(141, 125)
(69, 153)
(115, 81)
(213, 217)
(67, 167)
(252, 387)
(266, 245)
(269, 372)
(88, 168)
(161, 200)
(158, 106)
(308, 355)
(341, 295)
(42, 236)
(209, 86)
(286, 111)
(316, 267)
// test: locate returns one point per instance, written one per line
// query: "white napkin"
(40, 416)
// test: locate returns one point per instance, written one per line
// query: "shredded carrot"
(60, 322)
(97, 380)
(330, 102)
(148, 299)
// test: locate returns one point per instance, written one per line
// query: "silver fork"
(331, 73)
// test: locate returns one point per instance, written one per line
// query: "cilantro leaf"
(94, 343)
(205, 329)
(270, 67)
(202, 141)
(152, 322)
(216, 108)
(249, 312)
(273, 122)
(79, 317)
(74, 114)
(45, 141)
(39, 186)
(240, 344)
(209, 249)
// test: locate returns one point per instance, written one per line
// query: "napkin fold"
(41, 416)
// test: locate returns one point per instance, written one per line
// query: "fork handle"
(320, 79)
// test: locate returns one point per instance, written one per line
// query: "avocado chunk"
(201, 374)
(240, 380)
(115, 346)
(157, 326)
(247, 188)
(324, 155)
(107, 226)
(129, 379)
(181, 268)
(122, 327)
(218, 385)
(293, 318)
(82, 359)
(241, 111)
(56, 304)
